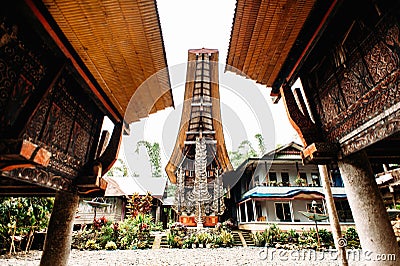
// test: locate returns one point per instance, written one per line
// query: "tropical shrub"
(20, 218)
(177, 235)
(111, 245)
(135, 232)
(259, 239)
(272, 235)
(351, 235)
(226, 238)
(139, 204)
(92, 245)
(308, 239)
(326, 237)
(108, 233)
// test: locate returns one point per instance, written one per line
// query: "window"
(315, 179)
(258, 210)
(285, 179)
(343, 211)
(319, 208)
(282, 210)
(272, 178)
(304, 177)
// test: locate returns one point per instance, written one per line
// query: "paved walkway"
(200, 256)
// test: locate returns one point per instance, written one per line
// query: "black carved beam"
(316, 150)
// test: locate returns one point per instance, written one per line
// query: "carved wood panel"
(21, 71)
(364, 87)
(66, 124)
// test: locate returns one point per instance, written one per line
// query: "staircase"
(237, 242)
(151, 240)
(248, 238)
(163, 242)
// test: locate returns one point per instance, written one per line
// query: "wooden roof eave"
(118, 58)
(258, 63)
(308, 37)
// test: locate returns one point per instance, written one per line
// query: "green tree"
(261, 144)
(153, 150)
(20, 218)
(246, 150)
(119, 169)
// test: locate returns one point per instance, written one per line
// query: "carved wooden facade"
(52, 107)
(347, 56)
(200, 159)
(354, 89)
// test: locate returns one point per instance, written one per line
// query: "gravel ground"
(204, 256)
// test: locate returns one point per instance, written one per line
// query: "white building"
(274, 188)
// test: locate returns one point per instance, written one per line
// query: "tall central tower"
(199, 159)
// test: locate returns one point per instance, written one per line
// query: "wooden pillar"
(239, 213)
(372, 221)
(59, 232)
(158, 212)
(333, 216)
(254, 210)
(246, 212)
(291, 211)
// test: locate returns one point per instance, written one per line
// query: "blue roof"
(258, 192)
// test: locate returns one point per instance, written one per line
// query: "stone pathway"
(182, 257)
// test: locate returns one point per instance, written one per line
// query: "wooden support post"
(333, 216)
(59, 232)
(246, 212)
(372, 221)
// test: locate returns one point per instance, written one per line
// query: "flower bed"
(275, 237)
(180, 237)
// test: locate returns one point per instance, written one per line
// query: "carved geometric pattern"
(332, 102)
(374, 133)
(66, 125)
(20, 73)
(40, 177)
(354, 80)
(367, 85)
(382, 97)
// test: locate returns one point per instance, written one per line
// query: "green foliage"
(179, 237)
(135, 232)
(261, 144)
(246, 150)
(272, 235)
(351, 236)
(326, 237)
(132, 233)
(259, 239)
(108, 233)
(111, 245)
(119, 169)
(153, 150)
(22, 217)
(226, 238)
(80, 238)
(307, 239)
(92, 245)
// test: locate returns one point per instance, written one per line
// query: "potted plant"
(299, 182)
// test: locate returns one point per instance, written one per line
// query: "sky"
(246, 107)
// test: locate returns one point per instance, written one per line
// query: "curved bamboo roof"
(120, 43)
(187, 117)
(262, 36)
